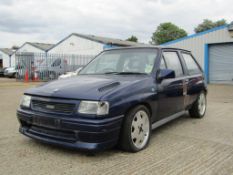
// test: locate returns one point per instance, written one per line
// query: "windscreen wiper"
(125, 73)
(111, 72)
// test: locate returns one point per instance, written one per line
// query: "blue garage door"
(221, 63)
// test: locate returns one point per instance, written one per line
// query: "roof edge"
(59, 42)
(32, 44)
(3, 51)
(29, 44)
(35, 45)
(9, 54)
(195, 35)
(86, 37)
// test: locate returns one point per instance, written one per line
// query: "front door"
(171, 92)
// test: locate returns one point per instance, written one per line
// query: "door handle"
(185, 86)
(186, 81)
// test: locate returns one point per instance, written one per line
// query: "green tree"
(133, 39)
(209, 24)
(221, 22)
(166, 32)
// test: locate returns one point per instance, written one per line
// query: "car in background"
(13, 72)
(10, 72)
(51, 71)
(70, 74)
(117, 99)
(2, 71)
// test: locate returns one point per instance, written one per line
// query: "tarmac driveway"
(184, 146)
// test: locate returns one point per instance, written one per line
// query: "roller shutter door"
(221, 63)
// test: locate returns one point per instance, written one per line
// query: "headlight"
(94, 107)
(25, 101)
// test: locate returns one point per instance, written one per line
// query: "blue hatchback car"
(117, 99)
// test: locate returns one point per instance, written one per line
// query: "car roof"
(147, 47)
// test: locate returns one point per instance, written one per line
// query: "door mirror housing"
(165, 74)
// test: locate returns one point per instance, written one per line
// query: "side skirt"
(167, 119)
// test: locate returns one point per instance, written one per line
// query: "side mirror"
(165, 74)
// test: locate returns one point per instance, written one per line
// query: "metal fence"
(45, 67)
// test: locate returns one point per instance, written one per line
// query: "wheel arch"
(146, 104)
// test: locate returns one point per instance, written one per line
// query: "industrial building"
(29, 50)
(6, 57)
(214, 51)
(34, 47)
(81, 44)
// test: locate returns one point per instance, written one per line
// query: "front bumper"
(9, 74)
(87, 134)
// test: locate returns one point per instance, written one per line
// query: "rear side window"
(192, 66)
(173, 62)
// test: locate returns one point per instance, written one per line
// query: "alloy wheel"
(140, 129)
(202, 104)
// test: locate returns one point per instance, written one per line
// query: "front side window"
(192, 66)
(122, 61)
(162, 64)
(173, 62)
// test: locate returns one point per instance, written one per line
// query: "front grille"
(52, 133)
(45, 106)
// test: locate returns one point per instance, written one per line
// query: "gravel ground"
(184, 146)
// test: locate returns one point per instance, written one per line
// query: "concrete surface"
(184, 146)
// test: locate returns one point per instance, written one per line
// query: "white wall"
(196, 44)
(29, 48)
(25, 48)
(77, 45)
(5, 59)
(13, 60)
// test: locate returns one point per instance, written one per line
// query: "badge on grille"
(50, 106)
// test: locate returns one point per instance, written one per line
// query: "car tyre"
(13, 75)
(198, 109)
(136, 129)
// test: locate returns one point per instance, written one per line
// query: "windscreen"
(122, 61)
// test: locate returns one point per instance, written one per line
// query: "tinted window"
(191, 64)
(173, 62)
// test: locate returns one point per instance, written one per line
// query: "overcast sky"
(52, 20)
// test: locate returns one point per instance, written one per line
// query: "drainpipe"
(10, 60)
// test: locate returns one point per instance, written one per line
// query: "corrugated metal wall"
(221, 63)
(196, 43)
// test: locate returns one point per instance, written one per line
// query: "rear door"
(171, 91)
(195, 79)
